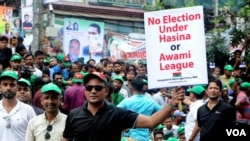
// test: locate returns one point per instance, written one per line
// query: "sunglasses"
(96, 87)
(7, 118)
(47, 135)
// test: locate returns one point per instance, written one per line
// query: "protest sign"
(175, 47)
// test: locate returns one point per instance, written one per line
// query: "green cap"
(33, 78)
(9, 73)
(197, 89)
(60, 57)
(180, 130)
(51, 87)
(22, 80)
(159, 127)
(66, 64)
(189, 90)
(245, 85)
(78, 78)
(228, 67)
(16, 57)
(145, 81)
(118, 78)
(172, 139)
(230, 81)
(224, 87)
(46, 60)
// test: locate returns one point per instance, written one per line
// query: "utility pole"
(216, 8)
(37, 25)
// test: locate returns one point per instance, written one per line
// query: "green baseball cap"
(51, 87)
(66, 64)
(172, 139)
(197, 89)
(78, 78)
(245, 85)
(118, 78)
(92, 75)
(60, 57)
(180, 130)
(230, 81)
(22, 80)
(145, 81)
(9, 73)
(159, 127)
(46, 60)
(228, 67)
(224, 87)
(15, 57)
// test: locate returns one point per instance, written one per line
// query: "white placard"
(175, 46)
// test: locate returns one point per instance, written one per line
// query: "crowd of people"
(52, 98)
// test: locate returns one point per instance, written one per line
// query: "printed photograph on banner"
(126, 47)
(27, 18)
(6, 19)
(88, 35)
(175, 47)
(16, 26)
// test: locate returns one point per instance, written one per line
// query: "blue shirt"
(142, 105)
(53, 70)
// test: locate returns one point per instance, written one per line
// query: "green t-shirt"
(116, 98)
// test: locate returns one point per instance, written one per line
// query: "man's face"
(93, 31)
(26, 18)
(29, 61)
(213, 91)
(8, 88)
(58, 79)
(23, 93)
(14, 41)
(95, 97)
(168, 123)
(117, 68)
(141, 71)
(15, 65)
(51, 101)
(3, 44)
(117, 85)
(39, 60)
(74, 48)
(52, 62)
(7, 27)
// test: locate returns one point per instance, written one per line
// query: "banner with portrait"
(83, 39)
(126, 47)
(6, 19)
(27, 14)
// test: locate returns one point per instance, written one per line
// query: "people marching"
(52, 98)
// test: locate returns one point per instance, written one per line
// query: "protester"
(96, 120)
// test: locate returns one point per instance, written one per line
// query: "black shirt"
(106, 125)
(213, 123)
(5, 56)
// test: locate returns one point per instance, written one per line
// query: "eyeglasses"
(96, 87)
(47, 135)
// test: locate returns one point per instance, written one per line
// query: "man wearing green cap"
(50, 125)
(24, 94)
(15, 62)
(117, 96)
(74, 96)
(97, 120)
(14, 115)
(228, 69)
(196, 94)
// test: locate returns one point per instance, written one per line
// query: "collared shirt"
(74, 97)
(37, 128)
(213, 123)
(143, 105)
(106, 125)
(13, 125)
(191, 118)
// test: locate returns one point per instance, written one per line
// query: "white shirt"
(191, 118)
(173, 130)
(18, 119)
(159, 99)
(37, 128)
(37, 72)
(124, 92)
